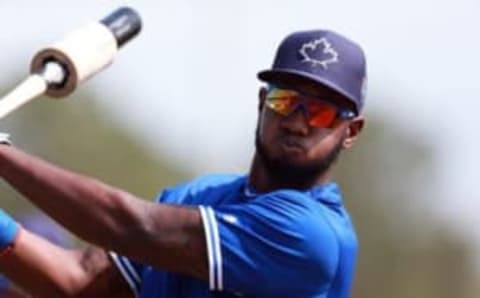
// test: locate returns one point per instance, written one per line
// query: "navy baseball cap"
(323, 57)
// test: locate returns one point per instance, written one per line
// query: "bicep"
(170, 237)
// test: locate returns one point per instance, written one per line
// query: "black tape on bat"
(124, 23)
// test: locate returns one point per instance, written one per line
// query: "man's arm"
(169, 237)
(45, 270)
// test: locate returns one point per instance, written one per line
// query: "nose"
(297, 121)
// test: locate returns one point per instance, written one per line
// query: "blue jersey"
(285, 243)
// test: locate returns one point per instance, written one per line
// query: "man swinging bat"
(280, 230)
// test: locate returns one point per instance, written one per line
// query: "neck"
(262, 181)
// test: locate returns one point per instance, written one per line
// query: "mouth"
(293, 145)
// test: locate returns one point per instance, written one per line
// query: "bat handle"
(34, 86)
(54, 73)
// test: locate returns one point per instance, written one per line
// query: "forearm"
(89, 208)
(43, 269)
(169, 237)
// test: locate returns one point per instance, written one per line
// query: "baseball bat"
(57, 70)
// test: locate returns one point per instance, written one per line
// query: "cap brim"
(282, 75)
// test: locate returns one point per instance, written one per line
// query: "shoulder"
(258, 238)
(299, 212)
(320, 219)
(200, 187)
(289, 215)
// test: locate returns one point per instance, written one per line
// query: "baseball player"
(279, 231)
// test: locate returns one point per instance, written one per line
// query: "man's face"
(294, 152)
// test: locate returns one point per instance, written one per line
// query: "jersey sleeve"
(280, 241)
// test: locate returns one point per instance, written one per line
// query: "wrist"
(9, 230)
(10, 248)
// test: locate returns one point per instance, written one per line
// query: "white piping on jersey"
(208, 238)
(131, 282)
(132, 270)
(218, 252)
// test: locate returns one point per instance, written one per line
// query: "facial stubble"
(293, 174)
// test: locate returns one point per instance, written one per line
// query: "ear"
(353, 130)
(262, 94)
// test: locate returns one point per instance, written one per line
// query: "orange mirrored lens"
(282, 105)
(321, 114)
(284, 102)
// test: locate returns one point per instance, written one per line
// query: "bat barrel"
(87, 50)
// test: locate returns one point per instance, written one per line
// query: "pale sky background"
(188, 84)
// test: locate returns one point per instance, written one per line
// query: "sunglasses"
(320, 113)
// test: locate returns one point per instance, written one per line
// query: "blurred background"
(181, 100)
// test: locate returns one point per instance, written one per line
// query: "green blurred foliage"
(404, 251)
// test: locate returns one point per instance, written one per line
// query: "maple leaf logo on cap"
(319, 52)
